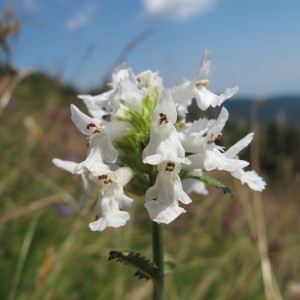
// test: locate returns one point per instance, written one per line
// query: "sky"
(254, 44)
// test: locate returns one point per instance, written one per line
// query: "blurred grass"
(48, 251)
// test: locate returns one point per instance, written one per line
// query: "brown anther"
(93, 125)
(108, 181)
(105, 178)
(170, 166)
(163, 119)
(90, 125)
(214, 136)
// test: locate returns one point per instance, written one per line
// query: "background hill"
(280, 109)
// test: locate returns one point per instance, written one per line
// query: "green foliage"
(132, 146)
(184, 174)
(215, 183)
(146, 269)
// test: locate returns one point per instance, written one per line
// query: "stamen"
(163, 119)
(202, 83)
(105, 179)
(214, 136)
(93, 125)
(170, 166)
(90, 125)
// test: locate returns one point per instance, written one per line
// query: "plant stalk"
(158, 259)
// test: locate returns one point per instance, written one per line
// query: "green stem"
(158, 258)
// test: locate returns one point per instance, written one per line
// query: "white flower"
(139, 122)
(163, 197)
(99, 141)
(109, 209)
(98, 106)
(150, 80)
(164, 141)
(131, 94)
(196, 88)
(208, 155)
(254, 181)
(70, 166)
(124, 86)
(112, 199)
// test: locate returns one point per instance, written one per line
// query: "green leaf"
(185, 174)
(215, 183)
(145, 268)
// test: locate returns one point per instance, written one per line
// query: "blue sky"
(255, 44)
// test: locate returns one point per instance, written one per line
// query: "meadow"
(241, 247)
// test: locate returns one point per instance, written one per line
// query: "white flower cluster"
(138, 133)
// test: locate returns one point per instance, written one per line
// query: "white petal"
(98, 106)
(108, 207)
(254, 181)
(130, 93)
(164, 145)
(103, 144)
(167, 106)
(117, 129)
(216, 160)
(220, 123)
(81, 120)
(205, 98)
(115, 219)
(203, 70)
(237, 147)
(201, 126)
(124, 175)
(161, 213)
(183, 92)
(64, 164)
(192, 185)
(71, 167)
(122, 74)
(162, 199)
(150, 80)
(87, 191)
(230, 92)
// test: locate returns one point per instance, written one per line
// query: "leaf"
(215, 183)
(145, 268)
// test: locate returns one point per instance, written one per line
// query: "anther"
(90, 125)
(93, 125)
(163, 119)
(214, 136)
(170, 166)
(202, 83)
(105, 179)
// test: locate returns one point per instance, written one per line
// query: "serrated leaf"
(145, 268)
